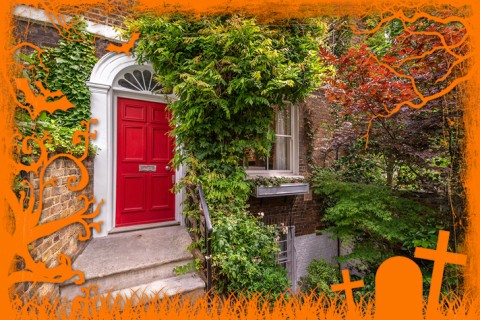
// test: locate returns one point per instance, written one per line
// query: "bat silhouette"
(126, 47)
(39, 103)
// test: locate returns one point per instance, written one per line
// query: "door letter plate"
(147, 168)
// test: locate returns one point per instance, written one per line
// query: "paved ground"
(133, 250)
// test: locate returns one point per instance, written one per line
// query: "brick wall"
(304, 214)
(303, 211)
(112, 15)
(41, 35)
(45, 35)
(59, 202)
(318, 122)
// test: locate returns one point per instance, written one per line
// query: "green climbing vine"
(65, 67)
(228, 72)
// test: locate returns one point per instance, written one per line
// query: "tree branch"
(80, 216)
(40, 273)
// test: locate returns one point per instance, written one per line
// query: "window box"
(285, 189)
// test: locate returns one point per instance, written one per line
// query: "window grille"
(286, 256)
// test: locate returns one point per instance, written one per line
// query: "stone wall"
(312, 246)
(59, 202)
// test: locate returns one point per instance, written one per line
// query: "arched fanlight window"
(139, 80)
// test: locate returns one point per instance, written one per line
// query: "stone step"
(186, 284)
(131, 259)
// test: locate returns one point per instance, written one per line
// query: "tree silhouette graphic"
(25, 224)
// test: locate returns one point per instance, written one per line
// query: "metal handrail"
(208, 242)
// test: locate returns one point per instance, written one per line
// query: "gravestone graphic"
(440, 256)
(398, 290)
(398, 284)
(348, 286)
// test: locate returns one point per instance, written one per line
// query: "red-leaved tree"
(404, 104)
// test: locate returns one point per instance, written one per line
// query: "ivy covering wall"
(65, 67)
(228, 72)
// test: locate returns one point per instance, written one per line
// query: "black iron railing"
(207, 232)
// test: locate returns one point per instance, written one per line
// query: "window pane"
(283, 123)
(279, 157)
(254, 162)
(281, 154)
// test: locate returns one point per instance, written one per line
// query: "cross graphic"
(347, 286)
(440, 257)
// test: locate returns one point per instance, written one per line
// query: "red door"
(144, 150)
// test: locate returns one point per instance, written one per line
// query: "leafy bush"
(228, 72)
(243, 247)
(273, 181)
(244, 252)
(374, 221)
(320, 276)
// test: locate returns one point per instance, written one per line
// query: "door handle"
(168, 168)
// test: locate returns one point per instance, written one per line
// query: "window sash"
(283, 151)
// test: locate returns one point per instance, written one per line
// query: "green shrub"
(375, 222)
(320, 276)
(228, 72)
(244, 252)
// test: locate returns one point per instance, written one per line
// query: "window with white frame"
(283, 158)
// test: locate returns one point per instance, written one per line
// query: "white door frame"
(103, 103)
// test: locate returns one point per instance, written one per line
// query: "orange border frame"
(265, 9)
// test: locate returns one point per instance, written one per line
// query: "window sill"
(254, 175)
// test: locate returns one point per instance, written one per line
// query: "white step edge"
(135, 277)
(165, 287)
(144, 227)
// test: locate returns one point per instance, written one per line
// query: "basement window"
(286, 256)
